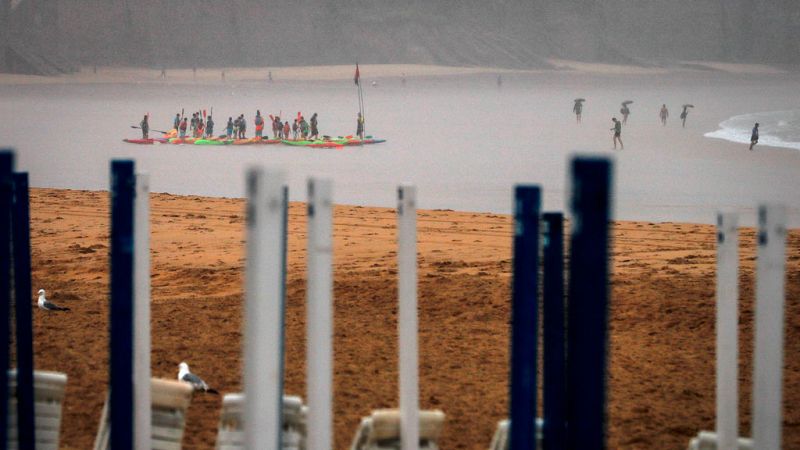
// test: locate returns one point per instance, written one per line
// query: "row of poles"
(575, 339)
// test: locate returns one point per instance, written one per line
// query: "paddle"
(157, 131)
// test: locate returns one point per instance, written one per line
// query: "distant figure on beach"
(360, 126)
(617, 133)
(183, 127)
(286, 129)
(269, 76)
(223, 75)
(242, 127)
(499, 81)
(684, 114)
(754, 137)
(664, 113)
(146, 128)
(194, 72)
(229, 128)
(209, 127)
(578, 109)
(295, 129)
(163, 72)
(303, 128)
(259, 122)
(193, 124)
(625, 111)
(403, 79)
(314, 127)
(177, 122)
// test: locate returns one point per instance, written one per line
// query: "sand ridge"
(661, 368)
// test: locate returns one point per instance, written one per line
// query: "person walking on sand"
(754, 137)
(617, 133)
(360, 126)
(664, 113)
(578, 110)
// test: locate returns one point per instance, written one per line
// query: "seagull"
(197, 383)
(47, 305)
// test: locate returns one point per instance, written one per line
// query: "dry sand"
(91, 75)
(662, 317)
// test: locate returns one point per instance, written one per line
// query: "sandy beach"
(661, 368)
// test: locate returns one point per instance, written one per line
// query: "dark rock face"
(503, 33)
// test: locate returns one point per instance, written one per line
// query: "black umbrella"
(627, 102)
(577, 100)
(688, 106)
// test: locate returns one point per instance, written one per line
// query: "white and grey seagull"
(197, 383)
(47, 304)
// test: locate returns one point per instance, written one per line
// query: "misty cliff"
(502, 33)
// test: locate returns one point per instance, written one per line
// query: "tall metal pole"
(727, 330)
(142, 395)
(123, 193)
(407, 316)
(22, 300)
(554, 389)
(525, 317)
(6, 170)
(319, 308)
(587, 325)
(768, 355)
(264, 309)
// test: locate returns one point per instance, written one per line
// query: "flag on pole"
(358, 75)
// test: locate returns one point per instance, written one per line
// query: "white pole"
(768, 365)
(263, 309)
(320, 314)
(141, 314)
(727, 330)
(407, 317)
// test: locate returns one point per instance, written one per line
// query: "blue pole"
(524, 318)
(554, 389)
(22, 291)
(6, 169)
(123, 192)
(587, 316)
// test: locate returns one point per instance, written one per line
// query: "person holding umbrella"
(685, 113)
(578, 109)
(625, 111)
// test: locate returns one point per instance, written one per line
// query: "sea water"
(776, 128)
(463, 141)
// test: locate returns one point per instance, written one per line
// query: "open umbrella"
(577, 100)
(688, 106)
(627, 102)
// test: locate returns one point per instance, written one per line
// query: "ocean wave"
(776, 129)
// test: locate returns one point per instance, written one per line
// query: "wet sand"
(661, 369)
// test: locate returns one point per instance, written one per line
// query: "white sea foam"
(776, 129)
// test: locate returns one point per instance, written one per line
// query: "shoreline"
(661, 300)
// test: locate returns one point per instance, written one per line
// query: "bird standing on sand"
(188, 377)
(47, 305)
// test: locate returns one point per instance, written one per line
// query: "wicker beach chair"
(230, 435)
(381, 430)
(48, 394)
(707, 440)
(170, 400)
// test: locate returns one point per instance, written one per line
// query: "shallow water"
(776, 128)
(463, 141)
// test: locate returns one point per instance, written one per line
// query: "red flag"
(358, 75)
